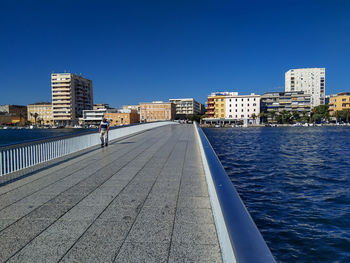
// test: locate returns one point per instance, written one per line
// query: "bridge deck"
(141, 199)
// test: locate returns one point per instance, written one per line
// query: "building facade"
(157, 111)
(40, 113)
(132, 107)
(14, 110)
(242, 107)
(339, 102)
(309, 80)
(286, 101)
(122, 117)
(100, 106)
(216, 104)
(186, 107)
(93, 117)
(71, 94)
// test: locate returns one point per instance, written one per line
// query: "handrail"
(247, 243)
(20, 156)
(60, 137)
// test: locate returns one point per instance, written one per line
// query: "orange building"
(157, 111)
(122, 117)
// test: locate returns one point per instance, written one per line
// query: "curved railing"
(16, 157)
(239, 238)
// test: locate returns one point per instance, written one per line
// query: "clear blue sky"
(155, 50)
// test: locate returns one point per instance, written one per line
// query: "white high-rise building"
(309, 80)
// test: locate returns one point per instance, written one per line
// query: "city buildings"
(40, 113)
(122, 117)
(339, 102)
(186, 107)
(132, 107)
(309, 80)
(71, 94)
(231, 106)
(157, 111)
(13, 114)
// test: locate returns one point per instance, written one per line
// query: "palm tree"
(254, 117)
(346, 114)
(35, 116)
(262, 116)
(273, 115)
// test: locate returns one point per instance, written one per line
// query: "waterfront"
(294, 182)
(9, 136)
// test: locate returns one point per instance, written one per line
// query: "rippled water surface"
(295, 183)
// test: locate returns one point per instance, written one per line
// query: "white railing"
(21, 156)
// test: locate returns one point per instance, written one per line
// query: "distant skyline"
(142, 51)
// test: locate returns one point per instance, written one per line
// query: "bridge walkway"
(141, 199)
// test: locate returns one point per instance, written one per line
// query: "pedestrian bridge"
(144, 198)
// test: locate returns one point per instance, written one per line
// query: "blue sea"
(295, 182)
(10, 136)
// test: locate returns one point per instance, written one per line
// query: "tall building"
(309, 80)
(40, 112)
(157, 111)
(186, 107)
(339, 102)
(71, 94)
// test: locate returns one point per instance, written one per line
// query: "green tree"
(35, 116)
(254, 117)
(272, 115)
(320, 113)
(263, 115)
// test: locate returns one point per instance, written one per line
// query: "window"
(230, 110)
(242, 105)
(230, 105)
(248, 104)
(222, 99)
(242, 99)
(236, 105)
(248, 110)
(248, 99)
(236, 99)
(242, 116)
(236, 110)
(343, 99)
(254, 104)
(242, 110)
(230, 99)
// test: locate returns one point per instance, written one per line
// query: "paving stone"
(92, 249)
(190, 233)
(194, 215)
(193, 202)
(143, 252)
(10, 246)
(153, 225)
(25, 228)
(194, 253)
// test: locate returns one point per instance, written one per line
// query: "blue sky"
(155, 50)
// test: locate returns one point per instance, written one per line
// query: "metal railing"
(16, 157)
(239, 237)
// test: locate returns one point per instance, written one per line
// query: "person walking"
(103, 130)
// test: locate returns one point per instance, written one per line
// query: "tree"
(254, 117)
(320, 113)
(272, 115)
(263, 115)
(35, 116)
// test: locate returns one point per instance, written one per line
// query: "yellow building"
(122, 117)
(40, 113)
(339, 102)
(157, 111)
(217, 105)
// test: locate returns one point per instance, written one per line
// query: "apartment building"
(186, 107)
(309, 80)
(71, 94)
(122, 117)
(286, 101)
(40, 113)
(339, 102)
(242, 107)
(157, 111)
(216, 104)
